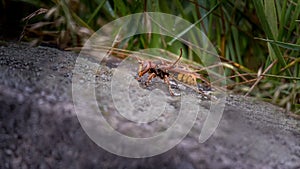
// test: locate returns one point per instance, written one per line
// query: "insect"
(167, 71)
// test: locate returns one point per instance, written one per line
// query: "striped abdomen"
(189, 79)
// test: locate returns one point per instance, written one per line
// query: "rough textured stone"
(39, 128)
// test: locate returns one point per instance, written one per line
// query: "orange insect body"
(167, 71)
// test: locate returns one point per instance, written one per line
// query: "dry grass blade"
(260, 77)
(35, 13)
(27, 18)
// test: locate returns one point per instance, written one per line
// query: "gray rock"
(39, 127)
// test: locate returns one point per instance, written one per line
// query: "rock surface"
(39, 127)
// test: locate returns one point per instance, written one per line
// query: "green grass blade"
(96, 11)
(295, 16)
(179, 6)
(271, 16)
(237, 43)
(282, 20)
(79, 21)
(109, 10)
(120, 6)
(285, 45)
(193, 25)
(263, 20)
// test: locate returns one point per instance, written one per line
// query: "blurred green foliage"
(251, 35)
